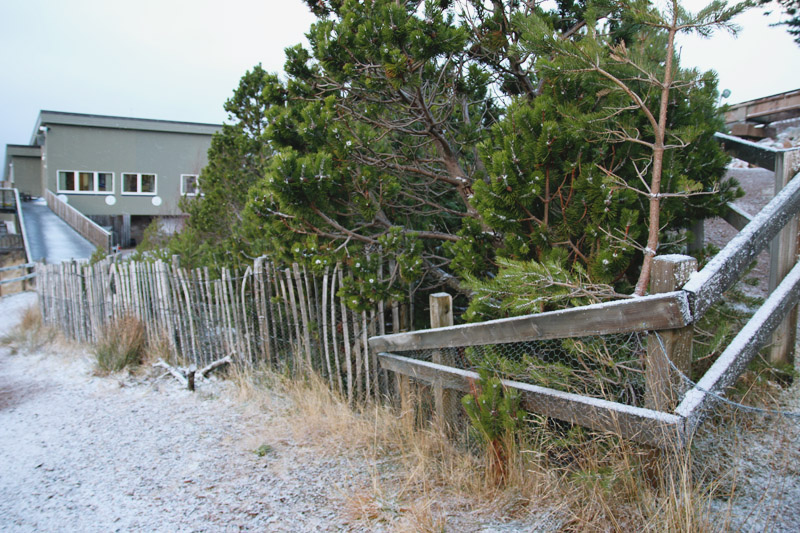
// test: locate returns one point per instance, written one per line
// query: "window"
(189, 185)
(138, 183)
(85, 181)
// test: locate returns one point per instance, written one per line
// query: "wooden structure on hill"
(752, 118)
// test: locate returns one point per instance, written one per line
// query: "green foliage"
(496, 417)
(495, 413)
(569, 170)
(98, 255)
(455, 141)
(791, 9)
(607, 367)
(264, 450)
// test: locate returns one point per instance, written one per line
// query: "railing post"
(783, 256)
(662, 386)
(446, 401)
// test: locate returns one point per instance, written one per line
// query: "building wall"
(28, 174)
(168, 155)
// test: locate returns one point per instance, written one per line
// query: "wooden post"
(446, 401)
(783, 256)
(662, 385)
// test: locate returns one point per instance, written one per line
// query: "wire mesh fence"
(608, 367)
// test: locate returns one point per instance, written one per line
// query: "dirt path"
(82, 453)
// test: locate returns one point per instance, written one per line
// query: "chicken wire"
(609, 367)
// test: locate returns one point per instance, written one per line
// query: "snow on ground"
(86, 453)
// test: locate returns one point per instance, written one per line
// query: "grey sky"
(180, 59)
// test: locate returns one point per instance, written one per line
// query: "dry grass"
(422, 480)
(30, 334)
(120, 344)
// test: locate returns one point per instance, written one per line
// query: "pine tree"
(618, 147)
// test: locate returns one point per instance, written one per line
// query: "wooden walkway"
(751, 118)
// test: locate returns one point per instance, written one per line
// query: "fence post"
(446, 401)
(662, 386)
(783, 256)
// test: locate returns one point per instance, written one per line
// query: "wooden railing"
(9, 199)
(665, 312)
(25, 267)
(85, 226)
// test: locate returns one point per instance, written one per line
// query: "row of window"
(91, 182)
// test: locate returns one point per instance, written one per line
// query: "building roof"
(19, 150)
(23, 150)
(127, 123)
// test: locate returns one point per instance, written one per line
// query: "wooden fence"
(85, 226)
(10, 202)
(671, 315)
(287, 318)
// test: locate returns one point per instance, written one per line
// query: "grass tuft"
(30, 334)
(120, 345)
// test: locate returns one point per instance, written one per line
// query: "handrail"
(656, 312)
(17, 267)
(664, 430)
(750, 152)
(84, 225)
(741, 350)
(20, 217)
(23, 231)
(707, 286)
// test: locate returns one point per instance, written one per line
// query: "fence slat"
(642, 425)
(648, 313)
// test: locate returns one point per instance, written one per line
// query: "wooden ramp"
(752, 118)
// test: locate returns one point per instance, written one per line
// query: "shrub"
(30, 334)
(121, 344)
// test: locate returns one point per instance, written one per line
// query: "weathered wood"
(262, 290)
(446, 404)
(736, 216)
(707, 286)
(304, 314)
(17, 267)
(334, 329)
(648, 313)
(176, 372)
(15, 280)
(741, 350)
(206, 370)
(79, 222)
(783, 256)
(755, 154)
(662, 386)
(245, 321)
(635, 423)
(365, 354)
(187, 313)
(292, 300)
(325, 344)
(766, 109)
(357, 359)
(346, 335)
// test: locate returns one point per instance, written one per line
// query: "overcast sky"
(180, 59)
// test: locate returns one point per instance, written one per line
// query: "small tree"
(649, 89)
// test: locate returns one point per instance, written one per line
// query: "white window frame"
(95, 182)
(138, 184)
(197, 192)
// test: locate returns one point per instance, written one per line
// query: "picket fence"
(285, 317)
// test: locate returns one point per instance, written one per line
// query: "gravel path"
(83, 453)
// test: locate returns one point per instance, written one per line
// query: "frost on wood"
(734, 360)
(707, 286)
